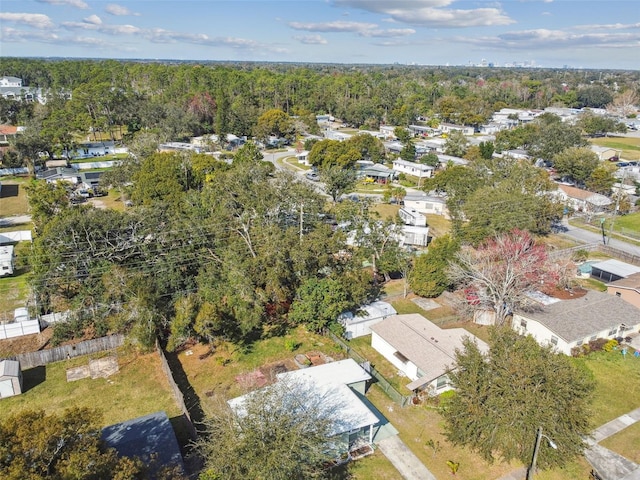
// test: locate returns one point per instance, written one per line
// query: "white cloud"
(35, 20)
(311, 39)
(94, 19)
(118, 10)
(553, 39)
(72, 3)
(360, 28)
(431, 13)
(102, 28)
(13, 35)
(159, 35)
(337, 26)
(608, 26)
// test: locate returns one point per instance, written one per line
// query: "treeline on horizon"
(226, 97)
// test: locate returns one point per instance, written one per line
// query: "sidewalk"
(608, 464)
(409, 466)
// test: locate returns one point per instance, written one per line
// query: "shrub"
(610, 345)
(597, 344)
(580, 255)
(291, 344)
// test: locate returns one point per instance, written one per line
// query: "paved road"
(586, 236)
(409, 466)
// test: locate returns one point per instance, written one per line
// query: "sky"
(597, 34)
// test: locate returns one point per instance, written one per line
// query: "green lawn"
(629, 222)
(13, 198)
(618, 384)
(438, 225)
(139, 388)
(626, 442)
(386, 210)
(14, 292)
(630, 146)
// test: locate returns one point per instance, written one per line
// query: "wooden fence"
(177, 393)
(86, 347)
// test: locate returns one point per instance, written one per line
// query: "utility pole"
(618, 196)
(301, 221)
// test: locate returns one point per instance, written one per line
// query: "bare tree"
(500, 271)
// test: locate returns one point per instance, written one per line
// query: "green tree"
(408, 152)
(318, 303)
(402, 134)
(338, 181)
(553, 136)
(430, 159)
(162, 177)
(456, 144)
(595, 96)
(602, 179)
(37, 445)
(503, 396)
(486, 150)
(46, 200)
(274, 122)
(429, 277)
(576, 163)
(277, 433)
(593, 124)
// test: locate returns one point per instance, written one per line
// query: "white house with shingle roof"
(582, 200)
(420, 349)
(570, 323)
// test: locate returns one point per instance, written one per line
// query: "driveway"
(409, 466)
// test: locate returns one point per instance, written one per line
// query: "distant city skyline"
(546, 33)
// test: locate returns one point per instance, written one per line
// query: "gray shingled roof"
(9, 368)
(583, 317)
(429, 347)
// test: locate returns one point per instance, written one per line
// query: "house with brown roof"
(565, 324)
(628, 288)
(421, 350)
(582, 200)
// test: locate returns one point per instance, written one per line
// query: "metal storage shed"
(10, 378)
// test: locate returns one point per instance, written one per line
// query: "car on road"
(313, 176)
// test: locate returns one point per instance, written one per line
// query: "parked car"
(313, 176)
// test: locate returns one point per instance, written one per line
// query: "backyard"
(138, 388)
(13, 198)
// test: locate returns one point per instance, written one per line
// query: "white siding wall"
(387, 351)
(543, 335)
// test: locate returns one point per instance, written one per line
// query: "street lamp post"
(534, 458)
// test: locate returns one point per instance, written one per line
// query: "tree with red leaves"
(501, 271)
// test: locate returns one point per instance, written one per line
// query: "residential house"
(414, 236)
(91, 149)
(10, 378)
(605, 153)
(376, 172)
(566, 324)
(628, 288)
(388, 131)
(179, 147)
(59, 174)
(359, 324)
(582, 200)
(427, 204)
(613, 270)
(150, 438)
(516, 153)
(336, 135)
(303, 157)
(446, 160)
(11, 88)
(450, 127)
(412, 217)
(433, 144)
(341, 386)
(421, 130)
(419, 170)
(421, 350)
(393, 147)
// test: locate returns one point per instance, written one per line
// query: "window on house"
(579, 342)
(401, 357)
(554, 340)
(442, 382)
(593, 338)
(618, 294)
(523, 323)
(613, 332)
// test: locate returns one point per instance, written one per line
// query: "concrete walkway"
(610, 465)
(409, 466)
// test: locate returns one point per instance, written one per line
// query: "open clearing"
(138, 388)
(630, 146)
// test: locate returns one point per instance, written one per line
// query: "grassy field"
(630, 146)
(13, 198)
(629, 222)
(438, 225)
(386, 210)
(14, 292)
(139, 388)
